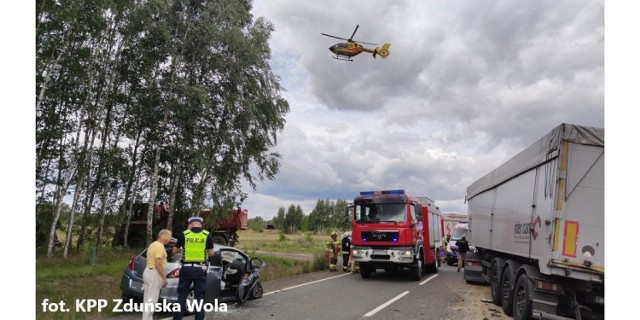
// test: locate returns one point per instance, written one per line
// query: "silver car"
(232, 276)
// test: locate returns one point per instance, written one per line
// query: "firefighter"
(346, 250)
(331, 251)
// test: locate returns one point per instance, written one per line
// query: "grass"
(270, 241)
(60, 279)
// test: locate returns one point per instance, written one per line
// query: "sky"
(468, 85)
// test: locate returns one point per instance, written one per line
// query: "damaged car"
(233, 276)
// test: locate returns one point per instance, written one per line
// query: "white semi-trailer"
(537, 222)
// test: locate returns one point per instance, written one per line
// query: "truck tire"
(365, 271)
(416, 270)
(522, 304)
(219, 239)
(507, 294)
(494, 282)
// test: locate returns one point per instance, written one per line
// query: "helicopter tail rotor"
(383, 51)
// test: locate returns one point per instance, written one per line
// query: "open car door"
(250, 287)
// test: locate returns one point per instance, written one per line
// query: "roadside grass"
(270, 241)
(59, 279)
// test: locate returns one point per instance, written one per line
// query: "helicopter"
(345, 50)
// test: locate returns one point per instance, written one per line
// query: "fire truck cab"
(394, 231)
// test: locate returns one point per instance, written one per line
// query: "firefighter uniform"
(331, 251)
(195, 243)
(346, 250)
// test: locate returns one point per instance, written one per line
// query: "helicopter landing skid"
(343, 58)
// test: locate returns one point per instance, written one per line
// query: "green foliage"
(132, 96)
(308, 237)
(282, 237)
(256, 224)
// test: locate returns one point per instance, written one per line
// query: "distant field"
(59, 279)
(269, 241)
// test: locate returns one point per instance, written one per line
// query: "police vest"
(195, 245)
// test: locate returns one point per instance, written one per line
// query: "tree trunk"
(60, 194)
(172, 196)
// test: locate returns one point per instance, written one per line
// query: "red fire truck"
(392, 231)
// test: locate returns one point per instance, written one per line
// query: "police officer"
(346, 249)
(197, 246)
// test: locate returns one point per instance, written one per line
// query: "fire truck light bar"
(372, 193)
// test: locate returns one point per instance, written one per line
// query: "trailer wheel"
(507, 294)
(522, 305)
(494, 282)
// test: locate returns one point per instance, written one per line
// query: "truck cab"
(389, 232)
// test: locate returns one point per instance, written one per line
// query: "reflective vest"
(195, 244)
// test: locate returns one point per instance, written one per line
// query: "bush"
(282, 237)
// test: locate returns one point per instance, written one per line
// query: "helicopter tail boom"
(382, 51)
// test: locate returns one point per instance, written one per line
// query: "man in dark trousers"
(463, 248)
(197, 246)
(346, 249)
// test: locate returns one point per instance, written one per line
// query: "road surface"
(339, 295)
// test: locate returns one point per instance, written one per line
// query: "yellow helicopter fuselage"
(350, 49)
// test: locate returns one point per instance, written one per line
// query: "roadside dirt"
(475, 303)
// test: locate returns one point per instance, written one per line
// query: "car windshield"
(458, 233)
(381, 212)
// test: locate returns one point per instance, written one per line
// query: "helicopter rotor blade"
(328, 35)
(354, 33)
(373, 44)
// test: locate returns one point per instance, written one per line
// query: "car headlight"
(407, 253)
(354, 252)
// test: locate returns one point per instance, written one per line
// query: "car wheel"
(494, 282)
(507, 294)
(522, 299)
(190, 298)
(257, 291)
(127, 297)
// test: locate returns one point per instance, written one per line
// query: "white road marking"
(304, 284)
(423, 282)
(372, 312)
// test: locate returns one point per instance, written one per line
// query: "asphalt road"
(339, 295)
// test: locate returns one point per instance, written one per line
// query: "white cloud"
(466, 87)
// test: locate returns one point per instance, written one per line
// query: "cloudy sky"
(468, 84)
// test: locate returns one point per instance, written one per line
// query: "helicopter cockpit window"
(341, 45)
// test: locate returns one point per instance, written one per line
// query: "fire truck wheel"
(365, 271)
(416, 270)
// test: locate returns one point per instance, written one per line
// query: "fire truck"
(394, 231)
